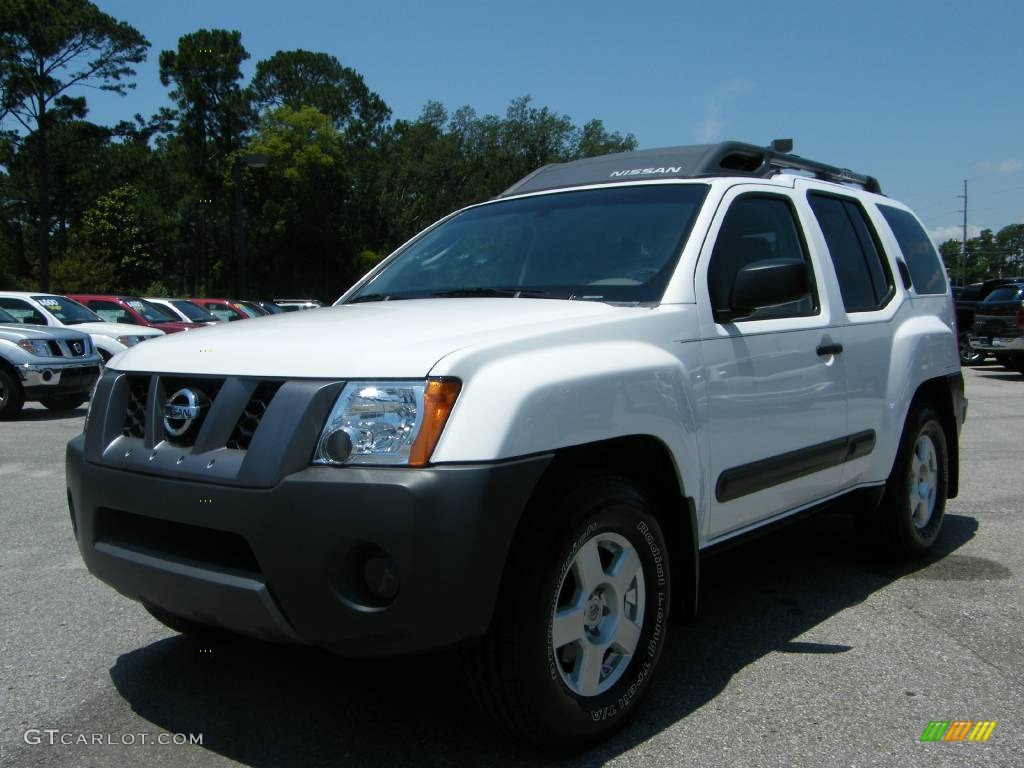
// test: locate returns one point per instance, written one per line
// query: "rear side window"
(756, 228)
(864, 279)
(926, 271)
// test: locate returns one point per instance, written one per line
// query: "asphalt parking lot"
(807, 651)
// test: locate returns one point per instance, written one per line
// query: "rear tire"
(581, 619)
(63, 402)
(909, 517)
(12, 396)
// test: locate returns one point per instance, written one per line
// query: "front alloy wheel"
(595, 627)
(581, 619)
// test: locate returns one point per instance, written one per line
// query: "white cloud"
(712, 126)
(942, 234)
(1000, 166)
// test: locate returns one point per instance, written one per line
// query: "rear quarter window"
(926, 271)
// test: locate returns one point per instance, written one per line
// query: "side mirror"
(767, 284)
(34, 320)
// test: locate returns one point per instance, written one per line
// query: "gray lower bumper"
(287, 563)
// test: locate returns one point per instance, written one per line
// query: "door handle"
(830, 349)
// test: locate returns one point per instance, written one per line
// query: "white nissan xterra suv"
(518, 434)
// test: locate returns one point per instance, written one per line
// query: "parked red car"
(136, 311)
(223, 309)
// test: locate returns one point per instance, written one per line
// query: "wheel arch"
(647, 461)
(938, 393)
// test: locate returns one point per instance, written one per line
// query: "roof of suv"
(727, 158)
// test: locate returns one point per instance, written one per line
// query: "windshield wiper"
(513, 293)
(377, 297)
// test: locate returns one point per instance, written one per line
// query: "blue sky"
(920, 94)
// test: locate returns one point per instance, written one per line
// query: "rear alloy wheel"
(968, 354)
(582, 617)
(908, 520)
(12, 396)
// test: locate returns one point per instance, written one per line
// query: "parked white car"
(54, 310)
(185, 311)
(517, 435)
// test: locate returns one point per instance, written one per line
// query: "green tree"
(212, 118)
(949, 251)
(299, 203)
(297, 79)
(47, 48)
(1010, 241)
(111, 252)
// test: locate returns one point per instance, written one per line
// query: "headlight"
(128, 341)
(386, 422)
(36, 347)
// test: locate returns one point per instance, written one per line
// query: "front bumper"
(998, 344)
(62, 378)
(286, 563)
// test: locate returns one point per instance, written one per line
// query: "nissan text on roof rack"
(518, 433)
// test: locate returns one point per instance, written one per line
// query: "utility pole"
(963, 242)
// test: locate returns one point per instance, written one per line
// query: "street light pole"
(253, 161)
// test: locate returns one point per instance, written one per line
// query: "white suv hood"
(373, 340)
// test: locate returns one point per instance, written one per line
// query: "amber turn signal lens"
(438, 401)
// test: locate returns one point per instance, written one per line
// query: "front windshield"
(222, 311)
(193, 312)
(615, 244)
(1006, 293)
(150, 312)
(246, 310)
(67, 311)
(7, 318)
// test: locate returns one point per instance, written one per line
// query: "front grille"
(180, 542)
(135, 413)
(77, 348)
(55, 349)
(249, 421)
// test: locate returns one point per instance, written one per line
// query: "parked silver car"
(56, 366)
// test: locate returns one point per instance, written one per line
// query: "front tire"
(12, 396)
(63, 402)
(907, 522)
(581, 620)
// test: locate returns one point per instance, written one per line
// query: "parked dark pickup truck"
(999, 325)
(967, 300)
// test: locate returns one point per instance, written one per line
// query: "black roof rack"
(727, 158)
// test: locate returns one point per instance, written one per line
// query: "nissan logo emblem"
(180, 412)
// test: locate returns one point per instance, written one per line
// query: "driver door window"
(756, 228)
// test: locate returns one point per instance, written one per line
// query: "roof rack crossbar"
(726, 158)
(820, 170)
